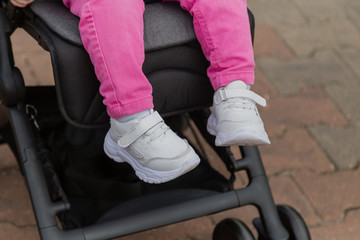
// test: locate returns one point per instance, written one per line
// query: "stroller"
(56, 133)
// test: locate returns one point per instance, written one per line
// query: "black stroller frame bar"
(46, 210)
(12, 91)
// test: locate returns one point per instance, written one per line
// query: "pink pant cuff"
(130, 108)
(223, 80)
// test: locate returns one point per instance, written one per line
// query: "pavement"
(308, 68)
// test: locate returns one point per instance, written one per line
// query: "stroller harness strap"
(139, 129)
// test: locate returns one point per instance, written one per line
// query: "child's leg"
(112, 34)
(223, 30)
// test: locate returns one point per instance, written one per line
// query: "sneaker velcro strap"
(242, 93)
(139, 129)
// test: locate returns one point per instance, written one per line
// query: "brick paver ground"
(308, 68)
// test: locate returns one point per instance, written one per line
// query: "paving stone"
(332, 34)
(7, 158)
(15, 206)
(35, 68)
(353, 13)
(294, 150)
(323, 69)
(21, 62)
(286, 192)
(303, 109)
(348, 229)
(329, 9)
(196, 229)
(352, 57)
(273, 130)
(10, 232)
(346, 93)
(282, 15)
(346, 96)
(339, 144)
(269, 43)
(331, 194)
(263, 86)
(22, 42)
(33, 61)
(40, 64)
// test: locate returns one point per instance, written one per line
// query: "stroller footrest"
(160, 209)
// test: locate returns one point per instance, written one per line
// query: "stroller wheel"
(232, 229)
(293, 222)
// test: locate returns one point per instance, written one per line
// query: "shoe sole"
(241, 138)
(118, 154)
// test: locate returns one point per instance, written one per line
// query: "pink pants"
(112, 34)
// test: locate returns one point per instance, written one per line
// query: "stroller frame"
(23, 143)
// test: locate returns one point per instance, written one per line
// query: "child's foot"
(155, 152)
(235, 119)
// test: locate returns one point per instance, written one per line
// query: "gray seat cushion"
(161, 22)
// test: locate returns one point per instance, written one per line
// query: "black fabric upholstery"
(175, 68)
(58, 18)
(154, 202)
(161, 21)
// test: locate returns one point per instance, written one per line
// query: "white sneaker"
(235, 119)
(155, 152)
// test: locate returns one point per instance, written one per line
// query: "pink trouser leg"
(223, 30)
(112, 34)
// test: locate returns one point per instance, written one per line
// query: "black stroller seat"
(95, 202)
(182, 76)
